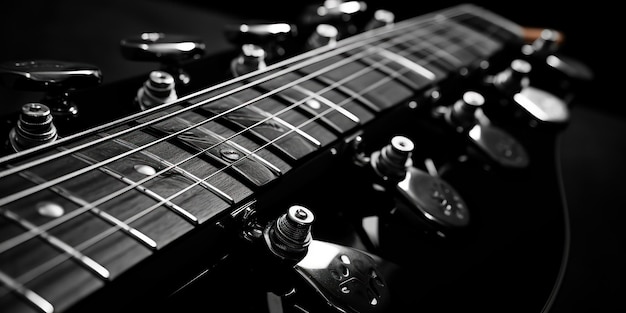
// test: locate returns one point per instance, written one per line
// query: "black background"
(592, 149)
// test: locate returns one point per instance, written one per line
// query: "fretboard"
(83, 210)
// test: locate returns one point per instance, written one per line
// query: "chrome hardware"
(171, 50)
(381, 18)
(290, 235)
(499, 146)
(391, 162)
(514, 78)
(33, 128)
(251, 58)
(158, 89)
(462, 114)
(324, 35)
(271, 37)
(57, 79)
(432, 200)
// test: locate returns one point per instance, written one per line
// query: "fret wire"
(58, 221)
(33, 298)
(221, 194)
(139, 236)
(261, 147)
(86, 169)
(70, 251)
(313, 57)
(178, 210)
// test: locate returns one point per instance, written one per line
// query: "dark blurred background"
(592, 148)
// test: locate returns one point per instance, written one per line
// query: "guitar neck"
(85, 209)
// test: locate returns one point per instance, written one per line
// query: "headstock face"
(418, 144)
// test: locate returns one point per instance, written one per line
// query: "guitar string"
(39, 187)
(309, 58)
(320, 115)
(54, 223)
(103, 235)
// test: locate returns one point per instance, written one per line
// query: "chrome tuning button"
(540, 106)
(57, 79)
(159, 88)
(170, 50)
(513, 78)
(251, 58)
(392, 161)
(34, 127)
(462, 114)
(271, 37)
(324, 35)
(344, 15)
(381, 18)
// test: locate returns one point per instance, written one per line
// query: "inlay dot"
(50, 209)
(144, 169)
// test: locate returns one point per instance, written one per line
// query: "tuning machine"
(555, 72)
(346, 16)
(171, 51)
(314, 275)
(56, 81)
(273, 38)
(519, 98)
(420, 199)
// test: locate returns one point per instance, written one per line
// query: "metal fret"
(351, 93)
(82, 259)
(32, 297)
(418, 69)
(134, 233)
(329, 103)
(177, 209)
(222, 195)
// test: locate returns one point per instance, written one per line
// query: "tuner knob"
(391, 162)
(324, 35)
(34, 127)
(171, 50)
(158, 89)
(381, 18)
(290, 235)
(344, 15)
(251, 58)
(269, 36)
(56, 78)
(513, 78)
(462, 114)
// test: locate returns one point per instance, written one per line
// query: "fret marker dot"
(144, 169)
(50, 209)
(314, 104)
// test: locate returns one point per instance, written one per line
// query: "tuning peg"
(170, 50)
(557, 72)
(57, 79)
(324, 35)
(251, 58)
(530, 102)
(159, 88)
(462, 114)
(34, 127)
(512, 79)
(270, 36)
(381, 18)
(344, 15)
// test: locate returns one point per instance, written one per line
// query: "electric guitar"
(422, 149)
